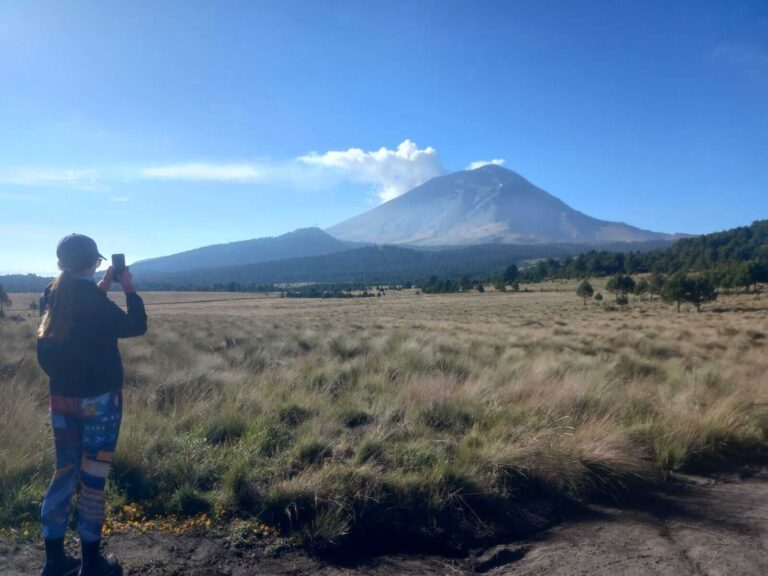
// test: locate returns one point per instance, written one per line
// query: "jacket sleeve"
(122, 325)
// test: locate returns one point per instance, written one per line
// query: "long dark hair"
(57, 321)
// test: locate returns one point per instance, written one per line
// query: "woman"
(77, 349)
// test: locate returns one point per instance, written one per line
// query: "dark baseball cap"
(77, 252)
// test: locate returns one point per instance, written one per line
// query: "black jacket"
(88, 363)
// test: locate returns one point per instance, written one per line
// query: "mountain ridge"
(301, 242)
(378, 264)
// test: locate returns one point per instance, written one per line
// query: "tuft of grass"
(131, 475)
(20, 501)
(629, 368)
(226, 430)
(353, 418)
(327, 527)
(187, 501)
(292, 415)
(240, 495)
(345, 350)
(370, 450)
(311, 452)
(447, 418)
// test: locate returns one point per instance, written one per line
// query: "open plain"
(512, 433)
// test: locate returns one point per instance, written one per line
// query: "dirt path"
(706, 527)
(711, 527)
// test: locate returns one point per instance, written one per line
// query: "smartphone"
(118, 266)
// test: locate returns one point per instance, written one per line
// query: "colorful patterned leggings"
(85, 431)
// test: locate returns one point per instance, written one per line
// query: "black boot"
(94, 564)
(57, 562)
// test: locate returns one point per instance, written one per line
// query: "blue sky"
(162, 126)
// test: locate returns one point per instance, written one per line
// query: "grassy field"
(445, 418)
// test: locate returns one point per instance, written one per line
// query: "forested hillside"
(24, 282)
(372, 264)
(734, 256)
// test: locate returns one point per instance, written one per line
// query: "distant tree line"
(235, 287)
(337, 291)
(735, 259)
(677, 288)
(24, 282)
(435, 285)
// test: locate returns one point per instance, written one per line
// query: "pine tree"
(674, 289)
(642, 287)
(621, 285)
(700, 290)
(655, 284)
(585, 290)
(511, 274)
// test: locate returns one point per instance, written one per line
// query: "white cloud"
(205, 171)
(87, 180)
(480, 163)
(392, 172)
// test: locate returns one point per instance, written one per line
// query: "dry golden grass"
(416, 414)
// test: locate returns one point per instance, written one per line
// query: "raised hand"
(105, 284)
(126, 281)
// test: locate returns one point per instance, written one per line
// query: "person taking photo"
(77, 348)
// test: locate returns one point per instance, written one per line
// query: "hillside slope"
(296, 244)
(374, 264)
(488, 205)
